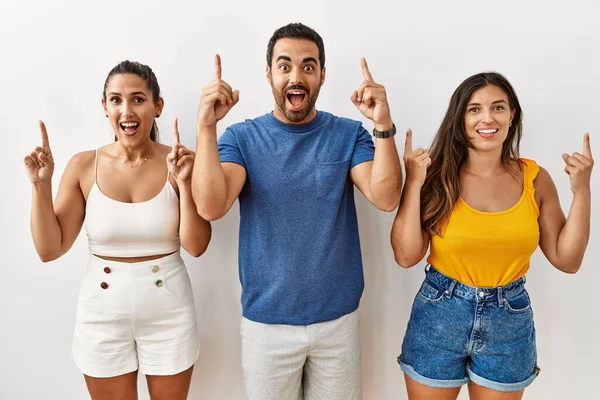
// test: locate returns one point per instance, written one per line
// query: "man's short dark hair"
(296, 31)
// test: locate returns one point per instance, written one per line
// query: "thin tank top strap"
(96, 168)
(168, 185)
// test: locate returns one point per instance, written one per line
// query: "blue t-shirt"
(299, 250)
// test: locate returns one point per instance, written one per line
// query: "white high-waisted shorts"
(135, 316)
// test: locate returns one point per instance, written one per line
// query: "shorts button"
(107, 270)
(104, 285)
(481, 294)
(159, 283)
(155, 268)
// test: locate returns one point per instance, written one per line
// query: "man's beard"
(309, 102)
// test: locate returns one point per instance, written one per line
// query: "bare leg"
(477, 392)
(122, 387)
(417, 391)
(170, 387)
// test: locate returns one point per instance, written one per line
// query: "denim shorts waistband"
(471, 293)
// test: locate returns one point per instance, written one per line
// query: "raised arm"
(409, 241)
(194, 231)
(215, 186)
(564, 240)
(54, 226)
(378, 180)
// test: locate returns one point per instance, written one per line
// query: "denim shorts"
(458, 333)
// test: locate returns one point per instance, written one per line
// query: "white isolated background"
(54, 57)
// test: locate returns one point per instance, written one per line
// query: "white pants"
(134, 316)
(321, 361)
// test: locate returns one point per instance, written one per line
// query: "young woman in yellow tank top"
(482, 211)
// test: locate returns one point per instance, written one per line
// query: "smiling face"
(131, 108)
(296, 78)
(487, 118)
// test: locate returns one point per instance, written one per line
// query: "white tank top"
(118, 229)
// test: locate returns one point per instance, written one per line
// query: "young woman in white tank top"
(135, 308)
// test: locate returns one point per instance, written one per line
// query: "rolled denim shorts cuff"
(435, 383)
(503, 387)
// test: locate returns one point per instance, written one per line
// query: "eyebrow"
(134, 93)
(304, 61)
(495, 102)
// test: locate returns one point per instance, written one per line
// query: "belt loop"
(500, 297)
(450, 289)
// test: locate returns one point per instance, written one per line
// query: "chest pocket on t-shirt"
(331, 179)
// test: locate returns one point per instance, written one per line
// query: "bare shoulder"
(81, 162)
(79, 172)
(84, 157)
(162, 149)
(544, 186)
(543, 180)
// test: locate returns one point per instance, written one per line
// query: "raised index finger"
(365, 70)
(408, 142)
(45, 141)
(217, 66)
(175, 132)
(587, 149)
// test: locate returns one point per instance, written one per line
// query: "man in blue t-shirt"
(293, 172)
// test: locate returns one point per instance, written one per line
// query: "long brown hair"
(143, 71)
(449, 150)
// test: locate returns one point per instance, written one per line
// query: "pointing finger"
(45, 141)
(217, 67)
(175, 133)
(587, 149)
(408, 142)
(365, 70)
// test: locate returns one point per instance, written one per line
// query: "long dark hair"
(449, 150)
(144, 72)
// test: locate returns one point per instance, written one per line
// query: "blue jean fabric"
(458, 333)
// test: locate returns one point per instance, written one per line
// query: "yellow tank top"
(489, 249)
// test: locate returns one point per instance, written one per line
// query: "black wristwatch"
(385, 134)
